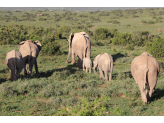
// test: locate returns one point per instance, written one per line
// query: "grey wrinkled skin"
(15, 64)
(80, 45)
(104, 62)
(144, 69)
(30, 52)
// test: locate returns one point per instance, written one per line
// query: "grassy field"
(63, 89)
(130, 20)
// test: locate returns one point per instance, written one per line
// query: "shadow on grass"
(2, 80)
(65, 52)
(4, 70)
(48, 73)
(123, 75)
(116, 56)
(158, 94)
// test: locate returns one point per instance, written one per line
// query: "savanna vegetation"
(63, 89)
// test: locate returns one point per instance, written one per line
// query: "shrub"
(87, 108)
(151, 22)
(109, 21)
(51, 48)
(130, 47)
(101, 33)
(156, 48)
(89, 25)
(115, 22)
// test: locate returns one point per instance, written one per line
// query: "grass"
(61, 89)
(75, 18)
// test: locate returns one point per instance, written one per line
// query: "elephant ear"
(20, 44)
(95, 59)
(38, 44)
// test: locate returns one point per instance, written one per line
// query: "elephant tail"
(85, 51)
(111, 70)
(14, 59)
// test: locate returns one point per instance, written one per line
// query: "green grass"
(63, 89)
(127, 23)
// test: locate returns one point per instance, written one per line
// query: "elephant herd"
(16, 61)
(144, 68)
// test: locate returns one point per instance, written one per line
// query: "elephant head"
(70, 47)
(95, 63)
(84, 34)
(38, 44)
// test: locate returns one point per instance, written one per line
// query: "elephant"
(80, 45)
(84, 34)
(14, 62)
(104, 62)
(144, 69)
(30, 52)
(87, 63)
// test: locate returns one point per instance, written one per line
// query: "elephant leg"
(106, 75)
(152, 80)
(89, 70)
(110, 75)
(36, 66)
(80, 59)
(30, 66)
(73, 57)
(101, 73)
(86, 69)
(12, 75)
(30, 69)
(24, 65)
(80, 64)
(24, 69)
(83, 67)
(18, 73)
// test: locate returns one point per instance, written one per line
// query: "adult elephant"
(144, 69)
(30, 52)
(80, 45)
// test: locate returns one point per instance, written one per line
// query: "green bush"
(51, 48)
(151, 22)
(87, 108)
(130, 47)
(101, 33)
(156, 48)
(115, 22)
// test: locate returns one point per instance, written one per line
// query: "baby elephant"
(87, 63)
(14, 62)
(104, 62)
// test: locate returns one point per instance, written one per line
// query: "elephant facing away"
(80, 45)
(104, 62)
(30, 52)
(87, 64)
(15, 63)
(144, 69)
